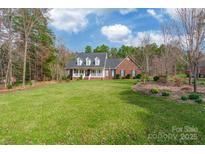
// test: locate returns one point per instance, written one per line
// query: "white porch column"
(103, 73)
(73, 73)
(83, 74)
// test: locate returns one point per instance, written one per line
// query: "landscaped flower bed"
(183, 93)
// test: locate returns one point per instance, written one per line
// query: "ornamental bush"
(194, 96)
(138, 76)
(117, 76)
(199, 100)
(165, 93)
(184, 98)
(156, 78)
(128, 76)
(154, 90)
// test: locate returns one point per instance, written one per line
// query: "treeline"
(163, 57)
(27, 47)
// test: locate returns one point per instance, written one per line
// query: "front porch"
(87, 73)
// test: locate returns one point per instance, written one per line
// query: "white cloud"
(171, 12)
(127, 11)
(122, 34)
(116, 33)
(72, 20)
(153, 13)
(155, 37)
(75, 20)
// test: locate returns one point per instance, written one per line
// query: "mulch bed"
(19, 88)
(175, 91)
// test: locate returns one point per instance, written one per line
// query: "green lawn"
(96, 112)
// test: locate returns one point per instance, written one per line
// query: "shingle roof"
(113, 63)
(92, 56)
(107, 63)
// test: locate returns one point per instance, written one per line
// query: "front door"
(87, 72)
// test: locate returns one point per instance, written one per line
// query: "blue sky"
(77, 28)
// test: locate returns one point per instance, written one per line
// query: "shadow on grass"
(167, 115)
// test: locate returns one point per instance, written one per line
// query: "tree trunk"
(190, 75)
(195, 78)
(8, 80)
(197, 72)
(24, 62)
(30, 72)
(147, 64)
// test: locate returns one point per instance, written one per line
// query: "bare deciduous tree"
(190, 28)
(145, 40)
(28, 19)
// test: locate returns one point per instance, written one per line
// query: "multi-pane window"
(113, 73)
(122, 73)
(97, 61)
(88, 61)
(79, 61)
(133, 73)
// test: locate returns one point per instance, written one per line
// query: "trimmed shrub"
(184, 98)
(194, 96)
(9, 86)
(117, 76)
(128, 76)
(165, 93)
(154, 90)
(138, 76)
(156, 78)
(81, 77)
(199, 100)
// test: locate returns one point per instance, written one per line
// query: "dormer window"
(97, 61)
(79, 61)
(88, 61)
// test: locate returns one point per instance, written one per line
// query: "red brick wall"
(109, 74)
(127, 65)
(202, 70)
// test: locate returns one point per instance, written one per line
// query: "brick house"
(201, 69)
(99, 66)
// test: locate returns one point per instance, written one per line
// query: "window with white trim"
(113, 73)
(79, 61)
(97, 61)
(88, 61)
(133, 73)
(122, 73)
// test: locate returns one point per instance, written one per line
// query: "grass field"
(97, 112)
